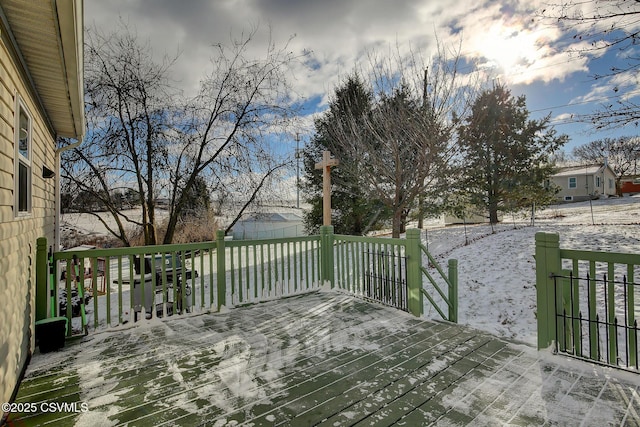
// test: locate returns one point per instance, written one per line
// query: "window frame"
(23, 202)
(575, 182)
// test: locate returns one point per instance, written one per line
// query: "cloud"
(503, 38)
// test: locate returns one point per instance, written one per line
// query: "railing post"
(453, 290)
(221, 269)
(414, 275)
(548, 263)
(326, 254)
(42, 271)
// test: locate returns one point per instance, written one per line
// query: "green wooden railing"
(127, 284)
(371, 267)
(586, 304)
(450, 280)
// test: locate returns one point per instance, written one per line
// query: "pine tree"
(506, 154)
(354, 212)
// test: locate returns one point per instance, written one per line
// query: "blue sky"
(508, 41)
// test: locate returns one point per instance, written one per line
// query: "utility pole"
(297, 170)
(424, 108)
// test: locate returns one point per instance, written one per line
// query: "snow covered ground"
(497, 271)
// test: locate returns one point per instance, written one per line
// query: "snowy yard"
(497, 271)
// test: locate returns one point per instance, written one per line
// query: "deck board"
(319, 359)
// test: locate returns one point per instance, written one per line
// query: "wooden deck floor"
(318, 359)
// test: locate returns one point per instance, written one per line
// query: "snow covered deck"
(319, 359)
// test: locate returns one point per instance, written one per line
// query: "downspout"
(59, 151)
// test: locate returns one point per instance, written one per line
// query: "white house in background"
(579, 183)
(268, 226)
(472, 218)
(41, 99)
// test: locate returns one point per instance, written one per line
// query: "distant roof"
(579, 170)
(273, 217)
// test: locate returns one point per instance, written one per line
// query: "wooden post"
(453, 290)
(414, 274)
(326, 254)
(221, 269)
(547, 264)
(325, 165)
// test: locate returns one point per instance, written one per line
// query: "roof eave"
(71, 24)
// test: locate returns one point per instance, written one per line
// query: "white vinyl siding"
(23, 217)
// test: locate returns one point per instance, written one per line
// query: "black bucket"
(50, 333)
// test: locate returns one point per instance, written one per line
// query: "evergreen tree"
(354, 212)
(506, 154)
(197, 199)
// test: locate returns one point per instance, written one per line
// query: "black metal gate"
(596, 320)
(385, 277)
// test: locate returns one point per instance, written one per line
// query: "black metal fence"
(596, 319)
(385, 277)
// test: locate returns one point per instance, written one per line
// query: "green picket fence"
(586, 304)
(258, 270)
(372, 268)
(127, 284)
(124, 285)
(396, 272)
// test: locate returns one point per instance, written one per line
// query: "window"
(22, 160)
(597, 181)
(611, 185)
(568, 198)
(573, 182)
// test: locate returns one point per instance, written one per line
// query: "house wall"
(578, 193)
(586, 185)
(18, 234)
(630, 185)
(609, 183)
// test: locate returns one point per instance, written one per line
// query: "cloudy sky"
(507, 40)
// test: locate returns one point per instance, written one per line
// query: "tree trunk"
(397, 224)
(493, 213)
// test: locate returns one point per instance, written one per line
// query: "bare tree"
(598, 27)
(405, 142)
(142, 135)
(126, 144)
(243, 104)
